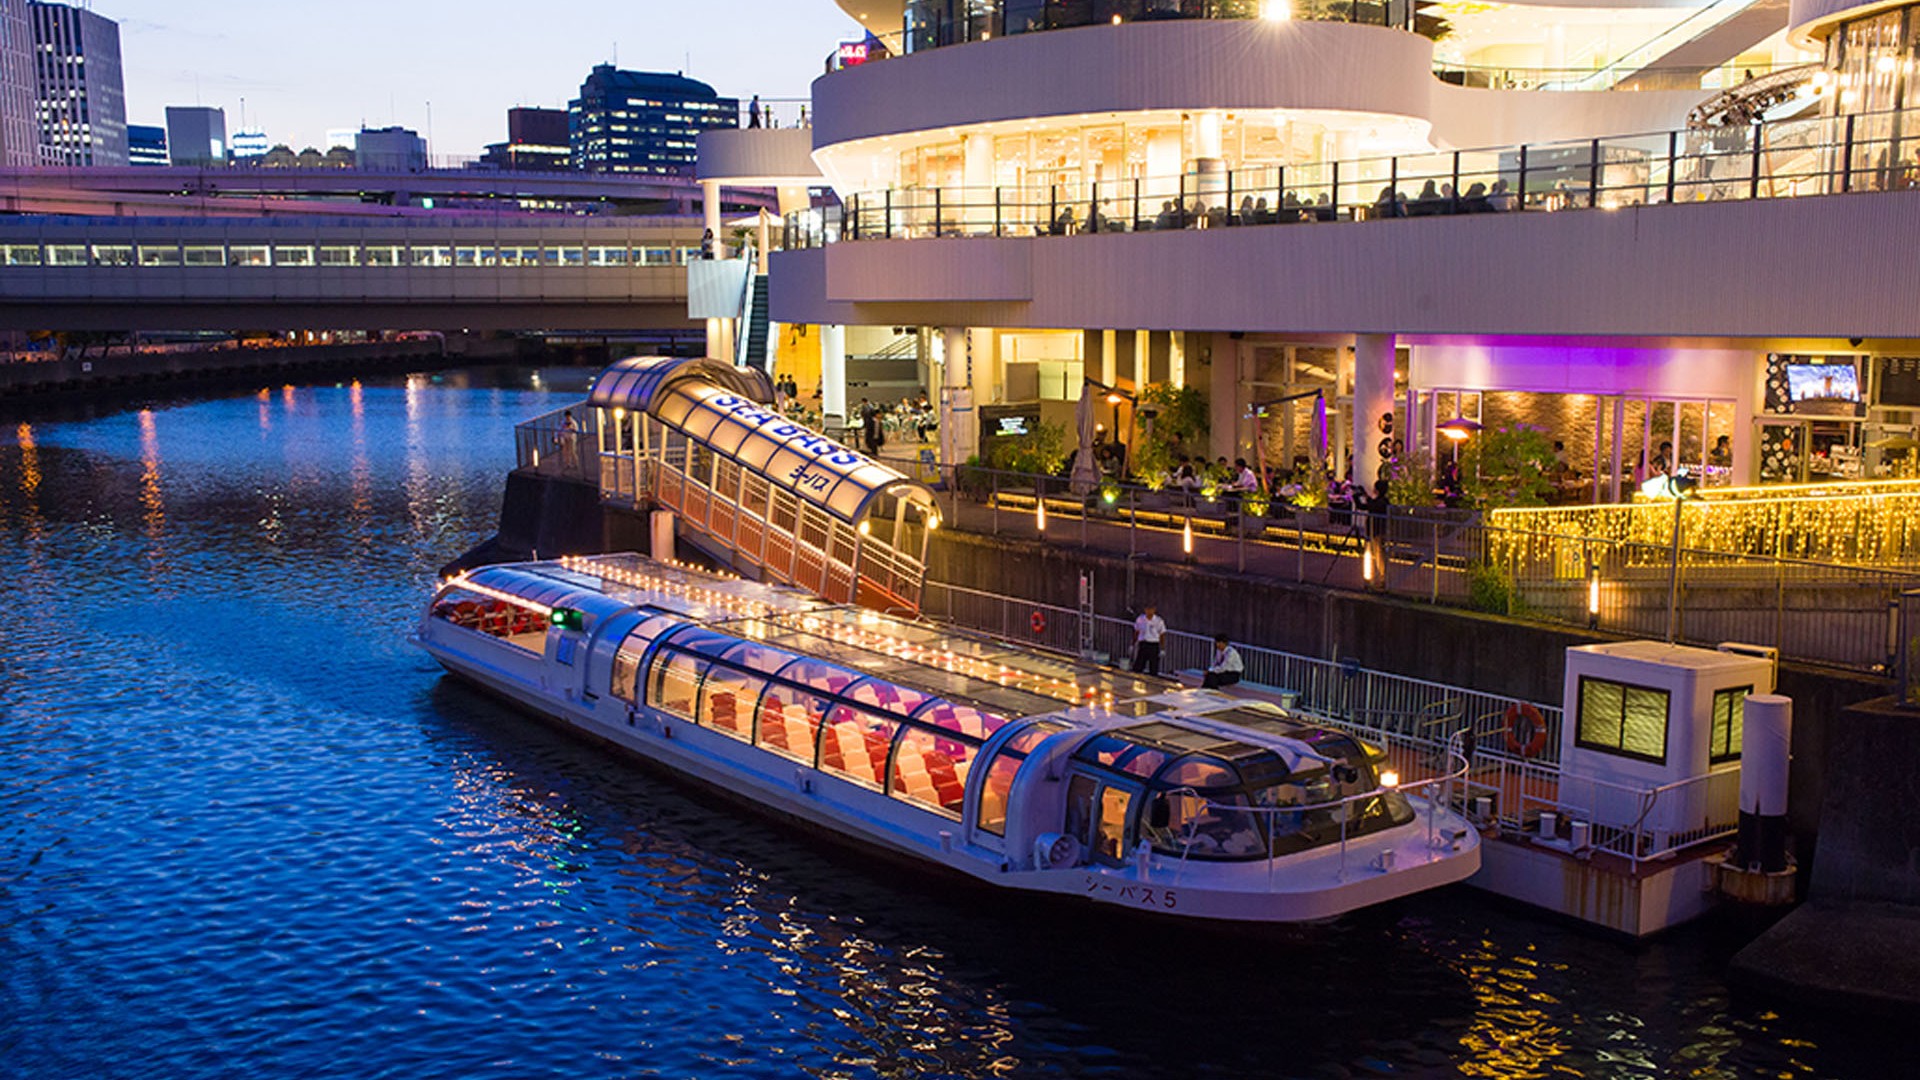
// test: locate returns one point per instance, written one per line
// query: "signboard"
(852, 53)
(1900, 382)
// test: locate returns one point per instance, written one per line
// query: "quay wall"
(91, 375)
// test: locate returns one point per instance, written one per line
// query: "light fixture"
(1366, 565)
(1459, 429)
(1186, 538)
(1389, 779)
(1277, 11)
(1040, 514)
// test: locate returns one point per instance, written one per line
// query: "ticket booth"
(1643, 720)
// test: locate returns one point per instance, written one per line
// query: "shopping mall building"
(1627, 222)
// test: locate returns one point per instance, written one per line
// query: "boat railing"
(1435, 792)
(1634, 822)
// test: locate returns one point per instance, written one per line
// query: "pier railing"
(1834, 613)
(564, 443)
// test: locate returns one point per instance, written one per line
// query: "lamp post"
(1677, 488)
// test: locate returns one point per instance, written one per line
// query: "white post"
(1765, 757)
(662, 545)
(833, 375)
(710, 212)
(1372, 400)
(959, 425)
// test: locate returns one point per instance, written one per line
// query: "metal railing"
(776, 113)
(549, 445)
(1821, 612)
(1784, 159)
(1485, 77)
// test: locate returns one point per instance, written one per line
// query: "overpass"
(444, 272)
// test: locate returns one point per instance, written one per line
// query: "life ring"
(1526, 730)
(1038, 622)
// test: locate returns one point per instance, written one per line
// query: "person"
(1500, 200)
(1226, 667)
(1243, 478)
(1721, 456)
(753, 112)
(569, 441)
(1148, 629)
(706, 245)
(1663, 461)
(873, 430)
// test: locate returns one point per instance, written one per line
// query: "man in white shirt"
(1226, 667)
(1148, 629)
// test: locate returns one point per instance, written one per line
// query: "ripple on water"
(244, 830)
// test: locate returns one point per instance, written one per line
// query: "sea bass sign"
(823, 460)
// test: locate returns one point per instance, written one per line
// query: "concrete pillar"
(833, 375)
(1223, 398)
(1109, 361)
(1339, 448)
(1177, 358)
(959, 424)
(1209, 159)
(720, 339)
(1619, 446)
(1372, 401)
(710, 215)
(764, 242)
(661, 541)
(1747, 402)
(1159, 357)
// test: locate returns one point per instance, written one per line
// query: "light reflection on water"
(245, 830)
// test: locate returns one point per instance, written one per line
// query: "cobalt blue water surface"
(246, 830)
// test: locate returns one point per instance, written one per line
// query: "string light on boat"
(568, 619)
(1389, 779)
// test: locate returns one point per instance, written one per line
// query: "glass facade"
(931, 24)
(643, 122)
(1873, 69)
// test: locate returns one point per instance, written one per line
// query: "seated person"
(1225, 667)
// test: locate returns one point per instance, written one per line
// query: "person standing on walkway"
(1148, 629)
(1226, 667)
(753, 112)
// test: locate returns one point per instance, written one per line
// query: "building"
(536, 139)
(82, 97)
(1517, 144)
(643, 122)
(390, 149)
(197, 135)
(147, 145)
(19, 117)
(249, 145)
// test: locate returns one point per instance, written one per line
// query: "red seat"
(723, 711)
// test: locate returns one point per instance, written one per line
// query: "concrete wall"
(1813, 267)
(94, 375)
(1870, 819)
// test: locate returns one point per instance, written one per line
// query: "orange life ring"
(1038, 622)
(1526, 730)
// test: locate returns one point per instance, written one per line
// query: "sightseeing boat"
(1022, 769)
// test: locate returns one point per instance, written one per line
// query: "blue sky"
(308, 66)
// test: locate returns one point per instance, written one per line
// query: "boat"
(1021, 769)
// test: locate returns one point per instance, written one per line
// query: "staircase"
(887, 375)
(1698, 46)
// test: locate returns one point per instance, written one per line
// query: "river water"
(246, 830)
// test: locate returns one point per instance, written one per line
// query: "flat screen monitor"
(1822, 382)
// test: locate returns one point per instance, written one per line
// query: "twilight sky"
(308, 66)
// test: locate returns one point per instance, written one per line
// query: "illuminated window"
(1729, 712)
(293, 256)
(204, 255)
(112, 255)
(383, 255)
(339, 256)
(159, 255)
(1616, 718)
(66, 255)
(249, 255)
(22, 254)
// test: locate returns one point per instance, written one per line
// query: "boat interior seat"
(722, 707)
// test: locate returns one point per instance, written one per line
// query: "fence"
(1828, 613)
(552, 446)
(1784, 159)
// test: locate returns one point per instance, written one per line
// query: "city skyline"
(303, 72)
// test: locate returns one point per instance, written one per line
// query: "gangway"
(771, 498)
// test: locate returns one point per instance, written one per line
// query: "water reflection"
(242, 821)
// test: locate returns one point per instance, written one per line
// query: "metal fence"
(1827, 613)
(1783, 159)
(552, 446)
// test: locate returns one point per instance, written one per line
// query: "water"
(246, 830)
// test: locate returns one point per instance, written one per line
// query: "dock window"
(1616, 718)
(1729, 714)
(854, 744)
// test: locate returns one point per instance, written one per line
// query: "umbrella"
(1085, 472)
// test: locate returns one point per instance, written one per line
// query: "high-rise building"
(643, 122)
(19, 122)
(250, 144)
(390, 149)
(197, 135)
(147, 145)
(536, 139)
(82, 96)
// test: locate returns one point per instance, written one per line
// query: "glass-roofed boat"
(1022, 769)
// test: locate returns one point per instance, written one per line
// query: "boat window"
(1200, 773)
(1110, 831)
(790, 722)
(1122, 754)
(727, 701)
(1305, 829)
(854, 744)
(1185, 824)
(994, 790)
(887, 697)
(930, 768)
(819, 675)
(522, 627)
(757, 657)
(676, 678)
(964, 719)
(626, 663)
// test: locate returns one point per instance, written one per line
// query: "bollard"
(1767, 738)
(662, 546)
